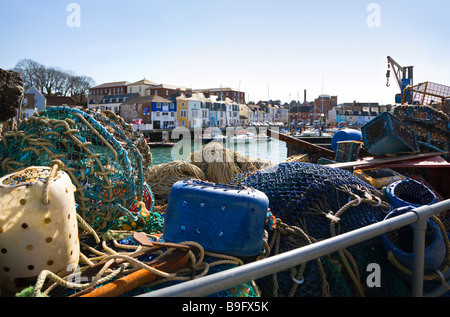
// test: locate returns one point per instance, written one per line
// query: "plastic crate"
(348, 151)
(386, 135)
(378, 177)
(222, 219)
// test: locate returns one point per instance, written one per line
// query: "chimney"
(305, 99)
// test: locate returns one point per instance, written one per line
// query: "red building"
(325, 103)
(117, 88)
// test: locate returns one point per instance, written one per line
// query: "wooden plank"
(385, 160)
(309, 147)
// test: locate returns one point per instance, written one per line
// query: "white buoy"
(38, 226)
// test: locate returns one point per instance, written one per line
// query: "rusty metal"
(311, 148)
(168, 263)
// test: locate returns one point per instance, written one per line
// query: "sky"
(268, 49)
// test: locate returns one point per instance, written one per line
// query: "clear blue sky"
(272, 49)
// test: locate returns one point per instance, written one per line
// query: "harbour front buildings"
(152, 106)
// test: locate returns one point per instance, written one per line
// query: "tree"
(52, 81)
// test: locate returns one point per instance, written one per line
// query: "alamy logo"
(374, 278)
(374, 18)
(74, 18)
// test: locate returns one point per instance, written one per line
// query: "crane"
(404, 77)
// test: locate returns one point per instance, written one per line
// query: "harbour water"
(273, 150)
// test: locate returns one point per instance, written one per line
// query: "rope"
(294, 234)
(437, 274)
(221, 165)
(162, 177)
(55, 165)
(321, 207)
(198, 268)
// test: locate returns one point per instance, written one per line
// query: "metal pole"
(230, 278)
(419, 256)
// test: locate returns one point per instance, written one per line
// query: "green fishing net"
(103, 159)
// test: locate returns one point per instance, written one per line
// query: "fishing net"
(161, 177)
(101, 158)
(311, 203)
(221, 165)
(11, 94)
(430, 125)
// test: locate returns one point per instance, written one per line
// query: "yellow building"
(140, 87)
(183, 111)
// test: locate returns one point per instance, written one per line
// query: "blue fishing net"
(307, 196)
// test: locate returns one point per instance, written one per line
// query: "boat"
(214, 136)
(263, 137)
(242, 138)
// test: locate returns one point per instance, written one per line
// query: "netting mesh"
(430, 125)
(313, 203)
(101, 158)
(429, 93)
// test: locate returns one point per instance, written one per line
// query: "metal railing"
(230, 278)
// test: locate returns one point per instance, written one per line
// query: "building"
(235, 95)
(165, 91)
(115, 88)
(245, 114)
(325, 103)
(163, 112)
(357, 113)
(33, 102)
(109, 102)
(61, 102)
(137, 111)
(140, 87)
(305, 114)
(182, 116)
(217, 111)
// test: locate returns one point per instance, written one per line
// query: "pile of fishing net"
(430, 125)
(221, 165)
(103, 157)
(312, 203)
(213, 163)
(161, 178)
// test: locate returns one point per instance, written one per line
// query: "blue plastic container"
(345, 135)
(409, 192)
(386, 135)
(222, 219)
(435, 251)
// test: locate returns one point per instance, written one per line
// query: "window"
(146, 111)
(158, 114)
(172, 106)
(172, 114)
(167, 92)
(183, 114)
(183, 123)
(183, 104)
